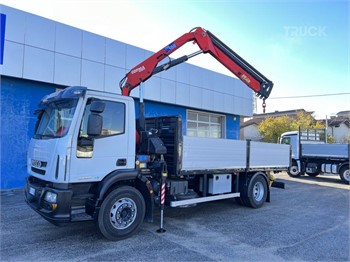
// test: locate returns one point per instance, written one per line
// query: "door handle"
(121, 162)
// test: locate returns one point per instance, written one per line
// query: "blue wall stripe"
(2, 36)
(232, 126)
(19, 99)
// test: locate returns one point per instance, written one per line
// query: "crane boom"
(208, 43)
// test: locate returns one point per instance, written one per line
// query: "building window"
(205, 124)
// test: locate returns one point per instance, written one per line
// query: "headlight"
(51, 197)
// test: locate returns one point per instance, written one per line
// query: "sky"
(302, 46)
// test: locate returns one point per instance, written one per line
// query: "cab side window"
(113, 123)
(113, 119)
(286, 140)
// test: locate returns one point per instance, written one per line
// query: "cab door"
(95, 156)
(293, 141)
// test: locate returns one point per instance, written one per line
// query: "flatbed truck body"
(311, 155)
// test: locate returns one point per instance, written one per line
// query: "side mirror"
(97, 106)
(94, 125)
(95, 120)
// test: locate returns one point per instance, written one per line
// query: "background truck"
(311, 154)
(86, 163)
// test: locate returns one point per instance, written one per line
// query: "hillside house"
(339, 127)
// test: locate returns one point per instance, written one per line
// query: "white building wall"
(341, 134)
(44, 50)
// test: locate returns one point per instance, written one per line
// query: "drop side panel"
(201, 153)
(268, 155)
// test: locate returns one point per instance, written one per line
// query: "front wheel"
(344, 174)
(293, 170)
(121, 213)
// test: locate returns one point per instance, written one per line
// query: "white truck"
(86, 163)
(312, 155)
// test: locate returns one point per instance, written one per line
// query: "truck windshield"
(55, 118)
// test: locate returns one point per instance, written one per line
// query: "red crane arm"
(208, 43)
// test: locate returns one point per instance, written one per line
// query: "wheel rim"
(123, 213)
(293, 170)
(347, 175)
(258, 191)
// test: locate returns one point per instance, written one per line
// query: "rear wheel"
(293, 170)
(256, 194)
(344, 174)
(121, 213)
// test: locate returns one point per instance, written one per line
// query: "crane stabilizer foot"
(161, 230)
(278, 184)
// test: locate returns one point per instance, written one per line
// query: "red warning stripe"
(162, 195)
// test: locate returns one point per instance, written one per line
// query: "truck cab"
(76, 131)
(291, 138)
(67, 126)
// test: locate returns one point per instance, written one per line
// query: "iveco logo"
(36, 163)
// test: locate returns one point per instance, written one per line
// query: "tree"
(305, 120)
(330, 139)
(271, 128)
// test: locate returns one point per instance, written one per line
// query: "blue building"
(39, 56)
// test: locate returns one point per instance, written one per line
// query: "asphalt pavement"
(307, 221)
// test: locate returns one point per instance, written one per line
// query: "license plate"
(32, 191)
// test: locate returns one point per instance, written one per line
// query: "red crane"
(208, 43)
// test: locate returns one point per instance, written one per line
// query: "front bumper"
(57, 213)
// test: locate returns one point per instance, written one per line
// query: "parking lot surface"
(307, 221)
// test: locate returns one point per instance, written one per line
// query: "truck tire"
(122, 213)
(344, 174)
(293, 170)
(256, 194)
